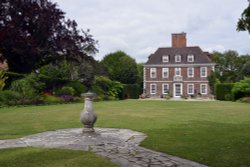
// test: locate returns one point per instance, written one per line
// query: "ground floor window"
(190, 89)
(153, 88)
(165, 88)
(203, 88)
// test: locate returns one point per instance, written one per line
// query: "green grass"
(34, 157)
(213, 133)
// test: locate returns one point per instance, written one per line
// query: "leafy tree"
(244, 21)
(229, 65)
(213, 80)
(140, 73)
(86, 74)
(121, 67)
(35, 32)
(56, 75)
(99, 68)
(245, 71)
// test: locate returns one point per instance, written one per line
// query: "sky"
(139, 27)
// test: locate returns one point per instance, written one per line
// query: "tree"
(121, 67)
(56, 75)
(140, 74)
(245, 71)
(213, 80)
(228, 65)
(35, 32)
(244, 21)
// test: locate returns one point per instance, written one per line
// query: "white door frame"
(181, 89)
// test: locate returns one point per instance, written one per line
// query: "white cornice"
(180, 65)
(175, 81)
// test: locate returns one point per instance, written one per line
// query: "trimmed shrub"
(131, 91)
(223, 91)
(241, 89)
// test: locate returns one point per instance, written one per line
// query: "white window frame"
(205, 71)
(190, 57)
(181, 91)
(165, 58)
(153, 73)
(188, 74)
(177, 58)
(163, 72)
(190, 93)
(201, 90)
(175, 71)
(151, 89)
(163, 89)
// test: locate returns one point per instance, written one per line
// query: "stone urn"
(88, 116)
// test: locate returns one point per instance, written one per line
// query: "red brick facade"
(183, 77)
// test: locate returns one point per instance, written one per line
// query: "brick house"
(178, 71)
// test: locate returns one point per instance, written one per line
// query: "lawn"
(213, 133)
(38, 157)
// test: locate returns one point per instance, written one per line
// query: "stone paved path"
(121, 146)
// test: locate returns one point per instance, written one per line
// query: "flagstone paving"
(121, 146)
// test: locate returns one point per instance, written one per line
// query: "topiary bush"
(223, 91)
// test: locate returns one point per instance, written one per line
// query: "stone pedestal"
(88, 116)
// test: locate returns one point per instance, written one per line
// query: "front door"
(177, 90)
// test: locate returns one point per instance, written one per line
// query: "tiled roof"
(199, 55)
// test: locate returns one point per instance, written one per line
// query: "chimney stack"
(179, 40)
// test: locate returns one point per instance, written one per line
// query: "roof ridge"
(178, 48)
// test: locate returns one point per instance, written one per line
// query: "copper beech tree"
(35, 32)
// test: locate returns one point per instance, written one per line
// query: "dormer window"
(165, 58)
(177, 58)
(190, 58)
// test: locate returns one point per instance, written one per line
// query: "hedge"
(131, 91)
(223, 91)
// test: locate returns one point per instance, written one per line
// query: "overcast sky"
(139, 27)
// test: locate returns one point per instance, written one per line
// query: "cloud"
(140, 27)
